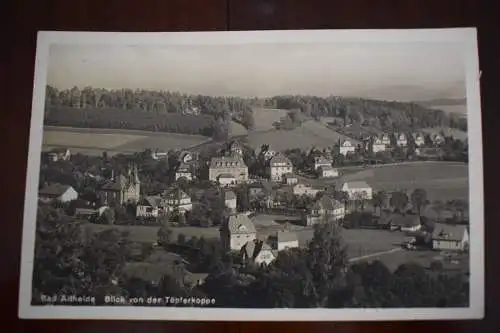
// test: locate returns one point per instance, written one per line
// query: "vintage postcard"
(261, 175)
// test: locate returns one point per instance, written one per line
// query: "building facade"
(237, 231)
(346, 147)
(358, 190)
(124, 189)
(279, 165)
(228, 165)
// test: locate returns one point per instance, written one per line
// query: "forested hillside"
(210, 116)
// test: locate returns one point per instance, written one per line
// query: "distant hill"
(444, 102)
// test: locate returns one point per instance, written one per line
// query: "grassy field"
(441, 180)
(458, 109)
(119, 141)
(455, 133)
(309, 134)
(236, 129)
(264, 118)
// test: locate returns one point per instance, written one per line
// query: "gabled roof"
(54, 190)
(280, 158)
(322, 160)
(286, 236)
(357, 184)
(406, 220)
(448, 232)
(175, 193)
(239, 224)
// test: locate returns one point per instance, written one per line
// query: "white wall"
(237, 241)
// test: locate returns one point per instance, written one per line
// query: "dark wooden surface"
(21, 19)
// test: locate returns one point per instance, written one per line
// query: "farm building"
(258, 252)
(149, 207)
(403, 222)
(228, 165)
(237, 231)
(279, 165)
(57, 192)
(448, 237)
(358, 189)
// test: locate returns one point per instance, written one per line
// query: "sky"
(413, 71)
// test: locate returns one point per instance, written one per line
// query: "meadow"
(441, 180)
(118, 141)
(310, 134)
(264, 118)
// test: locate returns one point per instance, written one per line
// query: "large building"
(447, 237)
(279, 165)
(228, 165)
(124, 189)
(325, 207)
(237, 231)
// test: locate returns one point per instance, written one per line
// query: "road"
(376, 254)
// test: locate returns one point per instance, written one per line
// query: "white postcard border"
(466, 36)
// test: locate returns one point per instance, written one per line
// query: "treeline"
(131, 119)
(385, 115)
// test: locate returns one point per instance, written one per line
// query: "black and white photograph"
(257, 175)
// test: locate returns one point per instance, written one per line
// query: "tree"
(164, 234)
(399, 200)
(438, 206)
(108, 216)
(419, 200)
(182, 219)
(326, 262)
(379, 200)
(247, 119)
(460, 206)
(181, 239)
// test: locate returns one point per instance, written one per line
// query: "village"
(256, 215)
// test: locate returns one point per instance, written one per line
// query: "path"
(355, 259)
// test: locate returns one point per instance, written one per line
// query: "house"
(378, 145)
(183, 171)
(283, 240)
(327, 171)
(175, 198)
(357, 190)
(279, 165)
(320, 161)
(325, 207)
(402, 222)
(437, 139)
(57, 192)
(237, 231)
(386, 140)
(123, 189)
(235, 148)
(346, 147)
(59, 154)
(290, 179)
(419, 139)
(447, 237)
(262, 191)
(258, 252)
(149, 207)
(228, 165)
(401, 139)
(230, 200)
(303, 189)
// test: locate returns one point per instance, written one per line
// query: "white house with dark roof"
(237, 231)
(258, 252)
(402, 222)
(378, 145)
(290, 179)
(437, 139)
(419, 139)
(447, 237)
(320, 161)
(346, 147)
(386, 139)
(304, 189)
(358, 189)
(57, 192)
(279, 165)
(228, 165)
